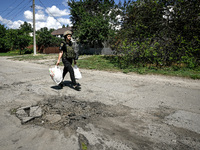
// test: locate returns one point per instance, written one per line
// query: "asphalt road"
(123, 111)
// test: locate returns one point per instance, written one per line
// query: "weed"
(83, 146)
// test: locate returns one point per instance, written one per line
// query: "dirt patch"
(101, 126)
(61, 112)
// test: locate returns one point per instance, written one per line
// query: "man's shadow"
(66, 83)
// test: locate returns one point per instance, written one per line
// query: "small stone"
(21, 113)
(26, 119)
(35, 111)
(174, 141)
(53, 118)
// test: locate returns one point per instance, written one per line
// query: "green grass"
(169, 71)
(97, 62)
(83, 146)
(106, 63)
(10, 53)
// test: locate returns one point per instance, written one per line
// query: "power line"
(16, 13)
(8, 7)
(13, 9)
(49, 12)
(26, 6)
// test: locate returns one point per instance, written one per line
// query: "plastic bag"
(77, 72)
(56, 74)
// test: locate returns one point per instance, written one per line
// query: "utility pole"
(34, 39)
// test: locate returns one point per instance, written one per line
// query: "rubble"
(28, 113)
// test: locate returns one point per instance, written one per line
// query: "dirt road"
(112, 111)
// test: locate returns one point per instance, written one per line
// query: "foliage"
(4, 47)
(83, 146)
(90, 20)
(23, 39)
(15, 38)
(12, 39)
(45, 39)
(160, 33)
(26, 28)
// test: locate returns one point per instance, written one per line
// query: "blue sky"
(49, 13)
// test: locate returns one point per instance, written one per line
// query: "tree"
(15, 38)
(11, 38)
(45, 39)
(161, 32)
(4, 47)
(26, 28)
(90, 19)
(23, 41)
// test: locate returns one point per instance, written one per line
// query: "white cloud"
(116, 25)
(10, 24)
(38, 7)
(65, 3)
(43, 19)
(39, 16)
(65, 21)
(49, 23)
(4, 21)
(52, 23)
(16, 24)
(28, 15)
(56, 12)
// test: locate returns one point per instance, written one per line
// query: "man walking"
(68, 55)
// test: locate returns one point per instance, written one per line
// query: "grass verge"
(99, 62)
(10, 53)
(29, 57)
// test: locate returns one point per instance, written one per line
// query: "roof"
(60, 31)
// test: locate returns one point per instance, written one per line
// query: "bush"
(27, 51)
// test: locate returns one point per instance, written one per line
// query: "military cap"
(68, 32)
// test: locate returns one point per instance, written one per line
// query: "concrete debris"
(53, 118)
(28, 113)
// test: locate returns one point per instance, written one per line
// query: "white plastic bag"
(56, 74)
(77, 72)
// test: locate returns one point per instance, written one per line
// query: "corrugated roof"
(60, 31)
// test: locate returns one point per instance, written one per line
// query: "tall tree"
(45, 39)
(26, 28)
(91, 20)
(3, 42)
(161, 31)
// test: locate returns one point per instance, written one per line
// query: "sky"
(48, 13)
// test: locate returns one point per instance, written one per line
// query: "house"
(82, 50)
(59, 32)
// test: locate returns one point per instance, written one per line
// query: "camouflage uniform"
(70, 53)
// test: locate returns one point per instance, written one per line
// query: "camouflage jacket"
(70, 50)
